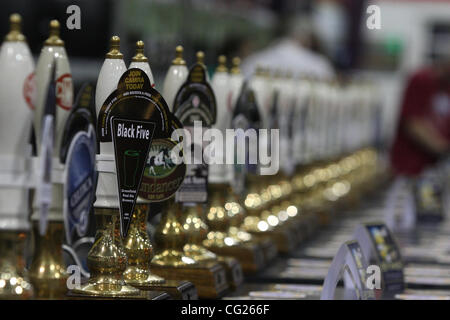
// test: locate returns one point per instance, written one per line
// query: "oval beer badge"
(30, 90)
(164, 172)
(80, 183)
(64, 91)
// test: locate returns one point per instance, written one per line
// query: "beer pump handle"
(46, 159)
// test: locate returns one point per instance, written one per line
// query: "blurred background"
(327, 44)
(412, 34)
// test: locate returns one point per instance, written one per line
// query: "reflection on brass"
(13, 282)
(271, 216)
(171, 261)
(114, 49)
(288, 210)
(54, 39)
(48, 271)
(219, 221)
(257, 203)
(139, 250)
(272, 211)
(237, 214)
(170, 239)
(196, 230)
(286, 188)
(224, 217)
(15, 31)
(107, 260)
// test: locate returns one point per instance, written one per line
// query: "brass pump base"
(227, 240)
(170, 239)
(263, 250)
(197, 231)
(139, 251)
(172, 263)
(263, 221)
(47, 270)
(107, 261)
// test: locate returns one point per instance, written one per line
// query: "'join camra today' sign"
(137, 120)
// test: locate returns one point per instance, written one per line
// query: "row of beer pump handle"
(25, 116)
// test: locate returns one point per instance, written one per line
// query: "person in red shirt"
(423, 132)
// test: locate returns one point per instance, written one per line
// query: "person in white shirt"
(292, 53)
